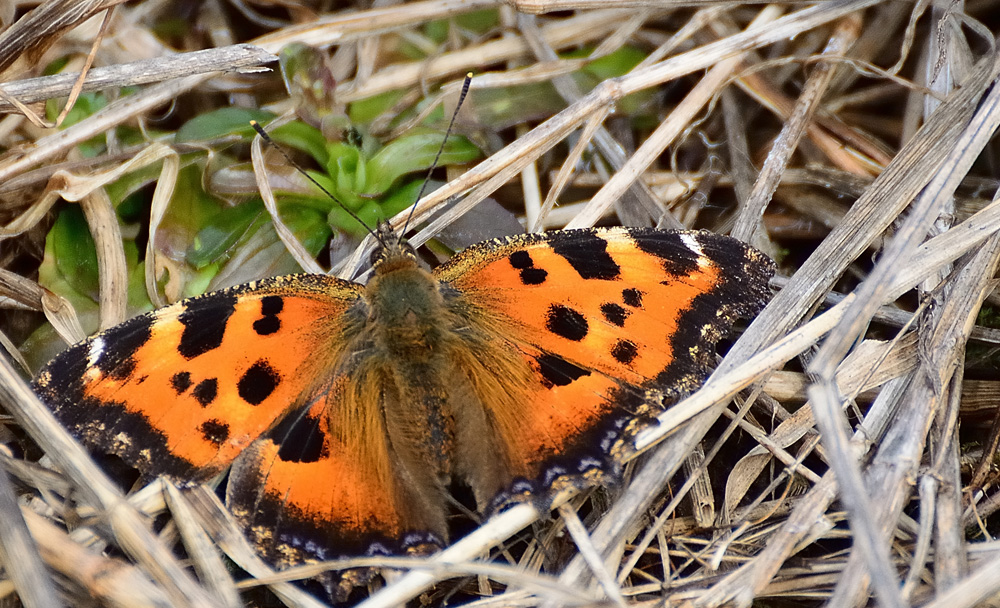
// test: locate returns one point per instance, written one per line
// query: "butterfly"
(522, 367)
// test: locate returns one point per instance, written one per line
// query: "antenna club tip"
(260, 130)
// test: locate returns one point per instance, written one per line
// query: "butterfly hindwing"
(181, 391)
(305, 491)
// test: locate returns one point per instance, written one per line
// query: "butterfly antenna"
(263, 134)
(461, 99)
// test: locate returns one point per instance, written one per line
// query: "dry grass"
(809, 131)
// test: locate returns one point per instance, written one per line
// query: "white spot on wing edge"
(613, 231)
(95, 352)
(691, 241)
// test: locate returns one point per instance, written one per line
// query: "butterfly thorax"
(405, 308)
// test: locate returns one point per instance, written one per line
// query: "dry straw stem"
(235, 58)
(212, 572)
(110, 581)
(757, 531)
(209, 514)
(977, 131)
(298, 251)
(936, 253)
(20, 290)
(609, 148)
(130, 530)
(548, 6)
(112, 267)
(19, 553)
(43, 26)
(748, 221)
(513, 158)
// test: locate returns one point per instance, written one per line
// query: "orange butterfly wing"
(181, 391)
(322, 485)
(613, 323)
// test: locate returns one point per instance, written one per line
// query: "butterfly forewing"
(182, 391)
(613, 323)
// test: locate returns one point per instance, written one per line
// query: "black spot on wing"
(675, 256)
(557, 371)
(521, 261)
(614, 313)
(265, 326)
(624, 351)
(586, 252)
(258, 382)
(533, 276)
(204, 320)
(566, 322)
(269, 322)
(181, 381)
(120, 344)
(271, 305)
(206, 391)
(215, 431)
(299, 439)
(123, 370)
(632, 297)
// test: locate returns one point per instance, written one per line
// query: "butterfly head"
(392, 250)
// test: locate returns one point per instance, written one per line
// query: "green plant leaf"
(218, 235)
(400, 198)
(346, 169)
(615, 64)
(73, 253)
(70, 268)
(308, 225)
(221, 122)
(303, 137)
(414, 153)
(363, 111)
(86, 105)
